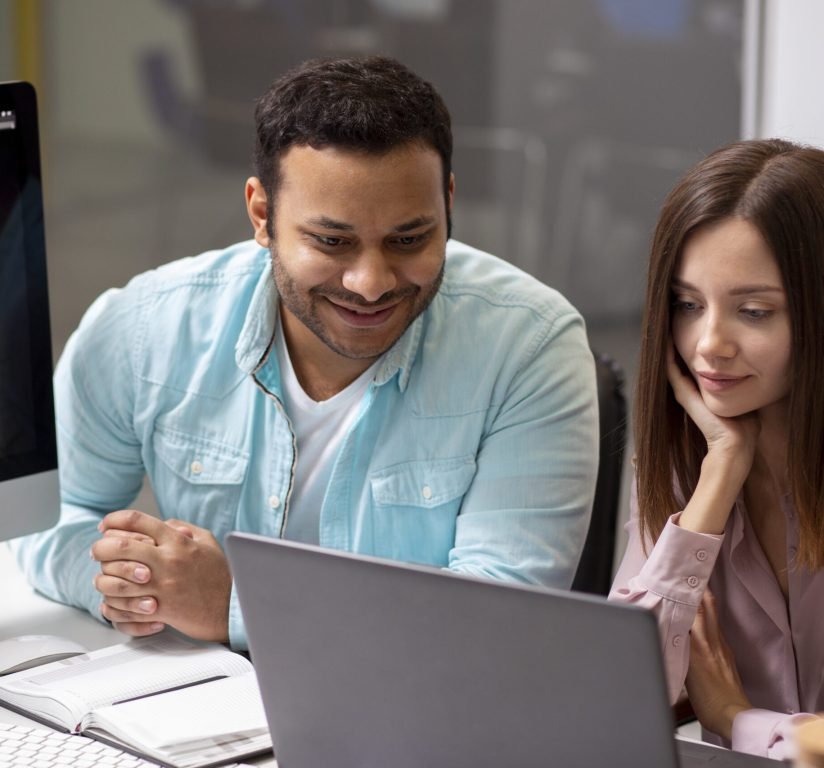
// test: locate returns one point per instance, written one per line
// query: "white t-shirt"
(319, 431)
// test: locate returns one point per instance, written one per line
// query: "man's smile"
(364, 317)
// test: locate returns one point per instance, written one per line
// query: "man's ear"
(256, 205)
(451, 191)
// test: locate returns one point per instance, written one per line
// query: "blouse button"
(274, 501)
(701, 554)
(427, 492)
(196, 467)
(676, 641)
(692, 581)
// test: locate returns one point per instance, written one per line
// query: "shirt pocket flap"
(198, 460)
(423, 483)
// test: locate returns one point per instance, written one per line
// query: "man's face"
(359, 245)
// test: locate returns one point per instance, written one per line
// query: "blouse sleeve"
(668, 578)
(766, 733)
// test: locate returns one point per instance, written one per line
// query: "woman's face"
(730, 322)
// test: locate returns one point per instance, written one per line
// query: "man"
(349, 379)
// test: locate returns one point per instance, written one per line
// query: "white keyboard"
(29, 746)
(23, 746)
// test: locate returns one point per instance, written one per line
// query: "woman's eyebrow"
(756, 288)
(739, 290)
(677, 282)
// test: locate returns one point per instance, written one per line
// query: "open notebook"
(175, 701)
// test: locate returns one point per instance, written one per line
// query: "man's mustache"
(353, 299)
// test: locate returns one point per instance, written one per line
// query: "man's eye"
(329, 241)
(409, 241)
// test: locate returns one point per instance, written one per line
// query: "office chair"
(594, 574)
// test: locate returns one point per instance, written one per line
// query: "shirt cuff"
(766, 733)
(237, 629)
(679, 565)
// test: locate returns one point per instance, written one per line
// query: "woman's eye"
(681, 305)
(756, 314)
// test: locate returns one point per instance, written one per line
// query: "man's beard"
(413, 299)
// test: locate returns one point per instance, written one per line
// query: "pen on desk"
(173, 688)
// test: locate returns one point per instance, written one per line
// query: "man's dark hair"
(373, 104)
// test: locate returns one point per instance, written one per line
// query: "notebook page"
(136, 668)
(192, 715)
(215, 719)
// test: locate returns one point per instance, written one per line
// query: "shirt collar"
(401, 356)
(258, 331)
(257, 335)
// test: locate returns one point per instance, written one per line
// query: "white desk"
(27, 613)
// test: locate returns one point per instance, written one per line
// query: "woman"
(727, 532)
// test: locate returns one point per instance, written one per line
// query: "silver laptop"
(375, 664)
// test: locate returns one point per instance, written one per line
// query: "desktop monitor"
(29, 493)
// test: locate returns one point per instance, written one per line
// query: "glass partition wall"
(572, 118)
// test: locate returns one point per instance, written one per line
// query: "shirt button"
(676, 641)
(274, 501)
(692, 581)
(427, 492)
(196, 467)
(701, 554)
(793, 551)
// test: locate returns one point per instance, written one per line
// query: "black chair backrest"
(594, 572)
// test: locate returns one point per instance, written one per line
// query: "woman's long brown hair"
(778, 187)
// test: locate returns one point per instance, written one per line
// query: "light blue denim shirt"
(475, 447)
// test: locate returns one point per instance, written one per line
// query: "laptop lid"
(364, 662)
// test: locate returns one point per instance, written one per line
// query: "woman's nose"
(716, 339)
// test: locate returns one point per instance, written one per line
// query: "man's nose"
(370, 275)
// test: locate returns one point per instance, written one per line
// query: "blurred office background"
(572, 118)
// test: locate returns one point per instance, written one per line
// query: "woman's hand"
(731, 446)
(713, 684)
(735, 438)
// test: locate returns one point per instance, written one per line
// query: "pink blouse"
(778, 645)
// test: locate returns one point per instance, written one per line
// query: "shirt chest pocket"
(415, 507)
(198, 479)
(424, 484)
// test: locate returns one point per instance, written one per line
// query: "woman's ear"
(256, 207)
